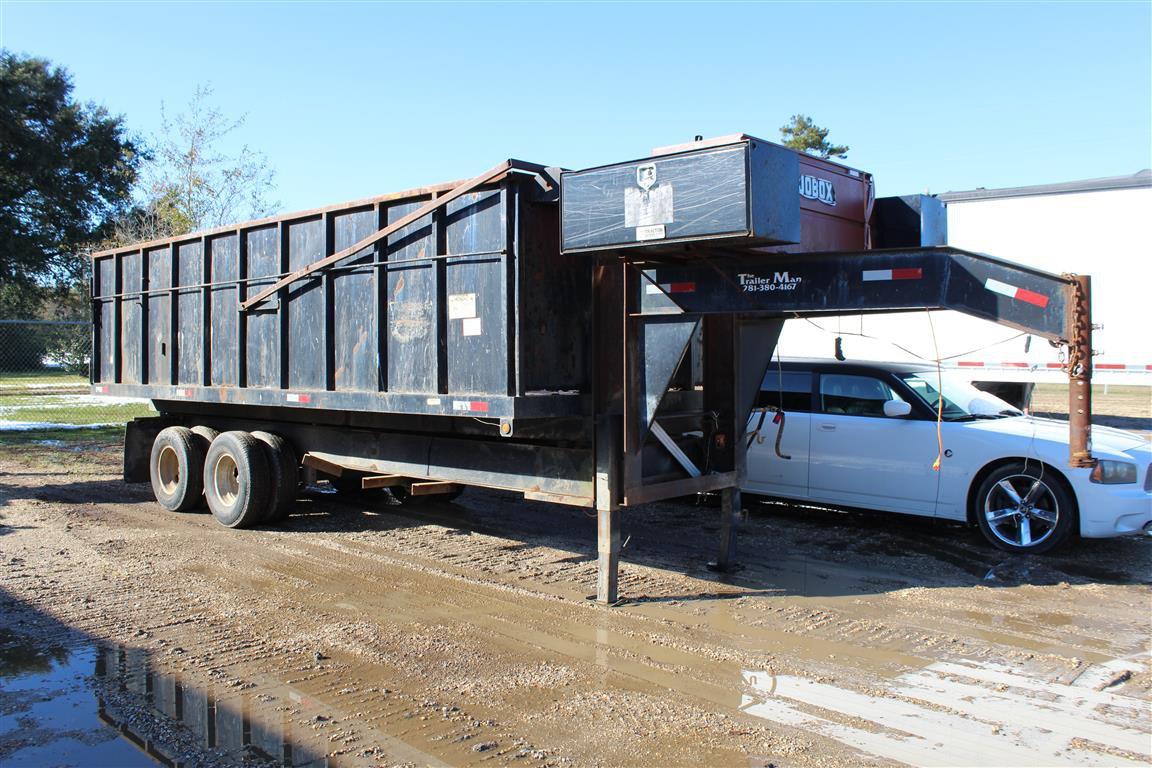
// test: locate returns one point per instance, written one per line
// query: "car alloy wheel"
(1023, 509)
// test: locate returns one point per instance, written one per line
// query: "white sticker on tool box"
(652, 232)
(461, 305)
(648, 207)
(472, 326)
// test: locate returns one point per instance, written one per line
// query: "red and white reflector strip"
(101, 390)
(1112, 367)
(653, 289)
(470, 406)
(295, 397)
(1015, 292)
(183, 393)
(1129, 367)
(878, 275)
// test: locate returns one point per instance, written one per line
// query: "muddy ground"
(361, 633)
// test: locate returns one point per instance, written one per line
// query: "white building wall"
(1106, 234)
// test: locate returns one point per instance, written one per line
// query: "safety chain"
(1074, 364)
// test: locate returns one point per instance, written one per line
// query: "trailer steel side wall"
(468, 310)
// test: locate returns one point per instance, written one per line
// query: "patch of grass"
(63, 450)
(1123, 406)
(52, 376)
(1131, 401)
(97, 436)
(78, 414)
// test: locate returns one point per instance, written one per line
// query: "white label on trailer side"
(461, 306)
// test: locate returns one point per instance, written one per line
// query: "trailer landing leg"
(608, 548)
(729, 523)
(608, 498)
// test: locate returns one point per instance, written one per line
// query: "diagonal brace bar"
(488, 176)
(670, 445)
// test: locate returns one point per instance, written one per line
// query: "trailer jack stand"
(608, 551)
(730, 507)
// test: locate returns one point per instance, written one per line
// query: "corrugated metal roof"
(1140, 179)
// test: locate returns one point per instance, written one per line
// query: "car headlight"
(1113, 472)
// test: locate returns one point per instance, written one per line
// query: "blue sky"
(349, 100)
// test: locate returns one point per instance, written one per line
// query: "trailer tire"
(205, 436)
(237, 484)
(284, 468)
(176, 469)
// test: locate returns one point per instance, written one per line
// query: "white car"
(864, 435)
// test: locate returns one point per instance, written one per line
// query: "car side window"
(854, 395)
(792, 388)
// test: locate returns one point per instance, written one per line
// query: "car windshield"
(962, 401)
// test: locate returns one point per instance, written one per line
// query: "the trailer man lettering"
(781, 281)
(818, 189)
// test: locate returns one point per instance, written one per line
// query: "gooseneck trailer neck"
(595, 338)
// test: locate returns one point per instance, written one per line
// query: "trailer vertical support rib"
(242, 289)
(283, 264)
(118, 319)
(173, 314)
(1080, 374)
(206, 312)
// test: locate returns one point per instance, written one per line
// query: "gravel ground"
(459, 633)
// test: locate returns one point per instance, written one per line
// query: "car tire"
(176, 469)
(237, 482)
(285, 471)
(1025, 508)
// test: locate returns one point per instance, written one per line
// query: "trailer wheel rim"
(168, 470)
(226, 479)
(1021, 510)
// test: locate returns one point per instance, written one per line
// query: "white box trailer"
(1098, 226)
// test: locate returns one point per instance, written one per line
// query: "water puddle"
(166, 714)
(968, 713)
(49, 714)
(100, 705)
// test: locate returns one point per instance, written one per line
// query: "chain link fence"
(44, 379)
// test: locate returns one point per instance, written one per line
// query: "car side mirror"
(894, 409)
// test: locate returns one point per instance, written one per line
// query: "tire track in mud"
(217, 635)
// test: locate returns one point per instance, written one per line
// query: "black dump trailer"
(594, 338)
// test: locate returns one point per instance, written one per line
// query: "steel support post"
(729, 523)
(608, 493)
(1080, 374)
(608, 362)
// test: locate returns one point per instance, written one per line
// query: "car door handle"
(828, 427)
